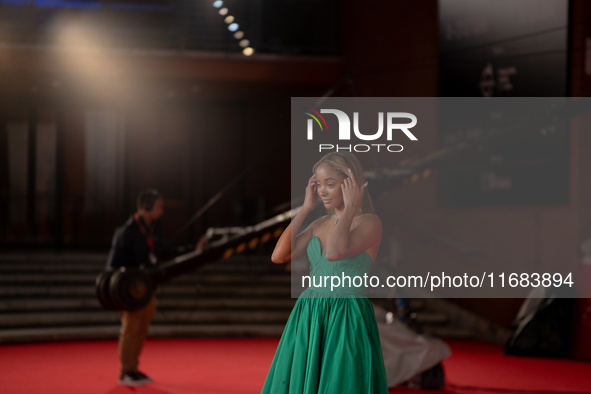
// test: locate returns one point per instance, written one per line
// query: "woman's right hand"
(311, 194)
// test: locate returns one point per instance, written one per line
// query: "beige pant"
(134, 330)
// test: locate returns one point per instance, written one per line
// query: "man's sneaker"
(132, 379)
(145, 377)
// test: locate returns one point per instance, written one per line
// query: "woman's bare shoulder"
(368, 219)
(319, 221)
(368, 216)
(312, 226)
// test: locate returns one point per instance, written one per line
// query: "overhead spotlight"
(233, 27)
(229, 19)
(223, 11)
(238, 35)
(244, 43)
(248, 51)
(218, 3)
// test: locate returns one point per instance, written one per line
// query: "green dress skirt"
(331, 342)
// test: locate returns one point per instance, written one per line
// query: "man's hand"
(202, 244)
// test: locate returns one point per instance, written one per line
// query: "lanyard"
(149, 237)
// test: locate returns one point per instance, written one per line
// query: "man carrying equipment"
(138, 244)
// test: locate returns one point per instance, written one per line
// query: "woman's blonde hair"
(341, 162)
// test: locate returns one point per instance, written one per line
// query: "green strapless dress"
(331, 343)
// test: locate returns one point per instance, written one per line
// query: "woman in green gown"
(331, 342)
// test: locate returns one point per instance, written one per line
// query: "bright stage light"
(238, 35)
(248, 51)
(233, 27)
(229, 19)
(244, 43)
(223, 11)
(218, 3)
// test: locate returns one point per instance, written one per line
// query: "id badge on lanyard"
(149, 239)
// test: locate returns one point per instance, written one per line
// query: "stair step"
(52, 258)
(106, 317)
(237, 277)
(50, 291)
(164, 303)
(98, 257)
(99, 261)
(217, 266)
(66, 278)
(156, 331)
(55, 267)
(47, 278)
(45, 304)
(270, 289)
(46, 297)
(212, 290)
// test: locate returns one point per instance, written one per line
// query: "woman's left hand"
(352, 193)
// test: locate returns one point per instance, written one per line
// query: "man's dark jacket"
(130, 248)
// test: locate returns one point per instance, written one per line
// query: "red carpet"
(230, 366)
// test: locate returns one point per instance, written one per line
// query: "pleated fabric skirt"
(329, 346)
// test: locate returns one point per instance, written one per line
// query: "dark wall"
(390, 48)
(187, 125)
(580, 30)
(189, 151)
